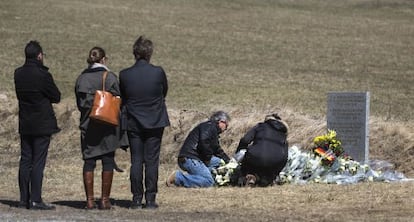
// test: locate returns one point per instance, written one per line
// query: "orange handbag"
(106, 107)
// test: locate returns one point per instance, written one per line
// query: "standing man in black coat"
(143, 91)
(36, 91)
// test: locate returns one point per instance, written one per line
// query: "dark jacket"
(269, 144)
(203, 142)
(36, 91)
(143, 89)
(96, 138)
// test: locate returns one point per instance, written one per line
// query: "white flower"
(306, 167)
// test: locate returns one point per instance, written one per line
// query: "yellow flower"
(318, 139)
(331, 134)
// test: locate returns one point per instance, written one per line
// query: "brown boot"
(88, 184)
(106, 189)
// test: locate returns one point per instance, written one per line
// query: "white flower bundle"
(300, 167)
(306, 167)
(223, 173)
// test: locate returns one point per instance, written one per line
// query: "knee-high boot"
(88, 184)
(106, 189)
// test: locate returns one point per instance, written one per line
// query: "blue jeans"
(198, 174)
(214, 163)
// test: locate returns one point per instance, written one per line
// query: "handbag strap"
(103, 80)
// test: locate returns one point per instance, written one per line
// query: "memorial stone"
(348, 115)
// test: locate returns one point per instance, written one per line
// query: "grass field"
(232, 53)
(246, 57)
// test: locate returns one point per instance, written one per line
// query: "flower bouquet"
(328, 147)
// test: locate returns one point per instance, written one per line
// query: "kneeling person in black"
(267, 151)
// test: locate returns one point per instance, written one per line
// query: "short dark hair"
(143, 48)
(32, 49)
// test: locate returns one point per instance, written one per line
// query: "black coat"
(266, 144)
(143, 89)
(96, 138)
(203, 142)
(36, 91)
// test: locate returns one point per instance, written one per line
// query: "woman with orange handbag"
(98, 140)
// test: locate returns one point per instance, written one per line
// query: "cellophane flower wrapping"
(329, 165)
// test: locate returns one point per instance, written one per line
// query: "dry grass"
(248, 58)
(232, 53)
(313, 202)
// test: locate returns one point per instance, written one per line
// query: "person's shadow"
(11, 203)
(81, 204)
(77, 204)
(71, 203)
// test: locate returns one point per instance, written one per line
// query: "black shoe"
(41, 206)
(151, 205)
(136, 205)
(23, 205)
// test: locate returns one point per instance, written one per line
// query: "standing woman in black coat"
(36, 91)
(98, 140)
(144, 88)
(266, 151)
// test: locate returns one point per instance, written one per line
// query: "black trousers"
(32, 164)
(266, 174)
(145, 146)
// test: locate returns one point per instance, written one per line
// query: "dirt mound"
(390, 141)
